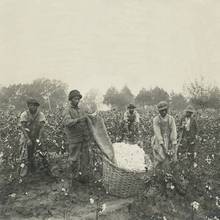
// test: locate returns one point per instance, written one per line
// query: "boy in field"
(32, 123)
(164, 142)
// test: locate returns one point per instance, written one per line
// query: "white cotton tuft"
(131, 157)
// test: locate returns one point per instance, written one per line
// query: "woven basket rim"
(122, 169)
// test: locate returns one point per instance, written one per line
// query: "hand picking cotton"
(131, 157)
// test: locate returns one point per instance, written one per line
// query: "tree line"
(53, 93)
(50, 93)
(199, 93)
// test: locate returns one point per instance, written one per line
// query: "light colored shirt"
(33, 124)
(187, 124)
(165, 129)
(26, 116)
(135, 116)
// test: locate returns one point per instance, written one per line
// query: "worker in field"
(188, 133)
(164, 142)
(32, 123)
(131, 124)
(78, 135)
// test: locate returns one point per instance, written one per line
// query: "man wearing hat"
(78, 136)
(189, 131)
(131, 122)
(32, 123)
(164, 141)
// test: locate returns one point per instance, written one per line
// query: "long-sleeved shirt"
(32, 123)
(76, 131)
(165, 130)
(131, 118)
(189, 126)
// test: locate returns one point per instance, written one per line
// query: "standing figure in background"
(188, 131)
(32, 123)
(164, 142)
(78, 135)
(131, 124)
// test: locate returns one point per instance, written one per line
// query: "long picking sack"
(99, 132)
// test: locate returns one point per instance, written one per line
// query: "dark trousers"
(31, 158)
(131, 133)
(79, 158)
(188, 147)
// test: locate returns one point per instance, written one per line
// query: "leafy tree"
(125, 97)
(178, 101)
(92, 101)
(202, 94)
(159, 94)
(143, 98)
(214, 98)
(111, 97)
(50, 93)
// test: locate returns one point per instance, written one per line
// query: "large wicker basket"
(121, 182)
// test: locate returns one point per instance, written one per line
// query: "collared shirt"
(32, 122)
(76, 131)
(165, 130)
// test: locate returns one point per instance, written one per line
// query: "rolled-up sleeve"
(23, 118)
(42, 117)
(68, 121)
(173, 135)
(157, 131)
(137, 117)
(126, 116)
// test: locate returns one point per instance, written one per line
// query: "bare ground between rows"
(43, 197)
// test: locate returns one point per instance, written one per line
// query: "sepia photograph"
(110, 110)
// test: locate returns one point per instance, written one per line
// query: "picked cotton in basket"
(131, 157)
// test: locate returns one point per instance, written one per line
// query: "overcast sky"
(103, 43)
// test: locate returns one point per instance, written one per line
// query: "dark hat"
(189, 108)
(162, 105)
(131, 106)
(33, 102)
(74, 93)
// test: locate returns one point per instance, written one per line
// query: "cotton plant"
(100, 207)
